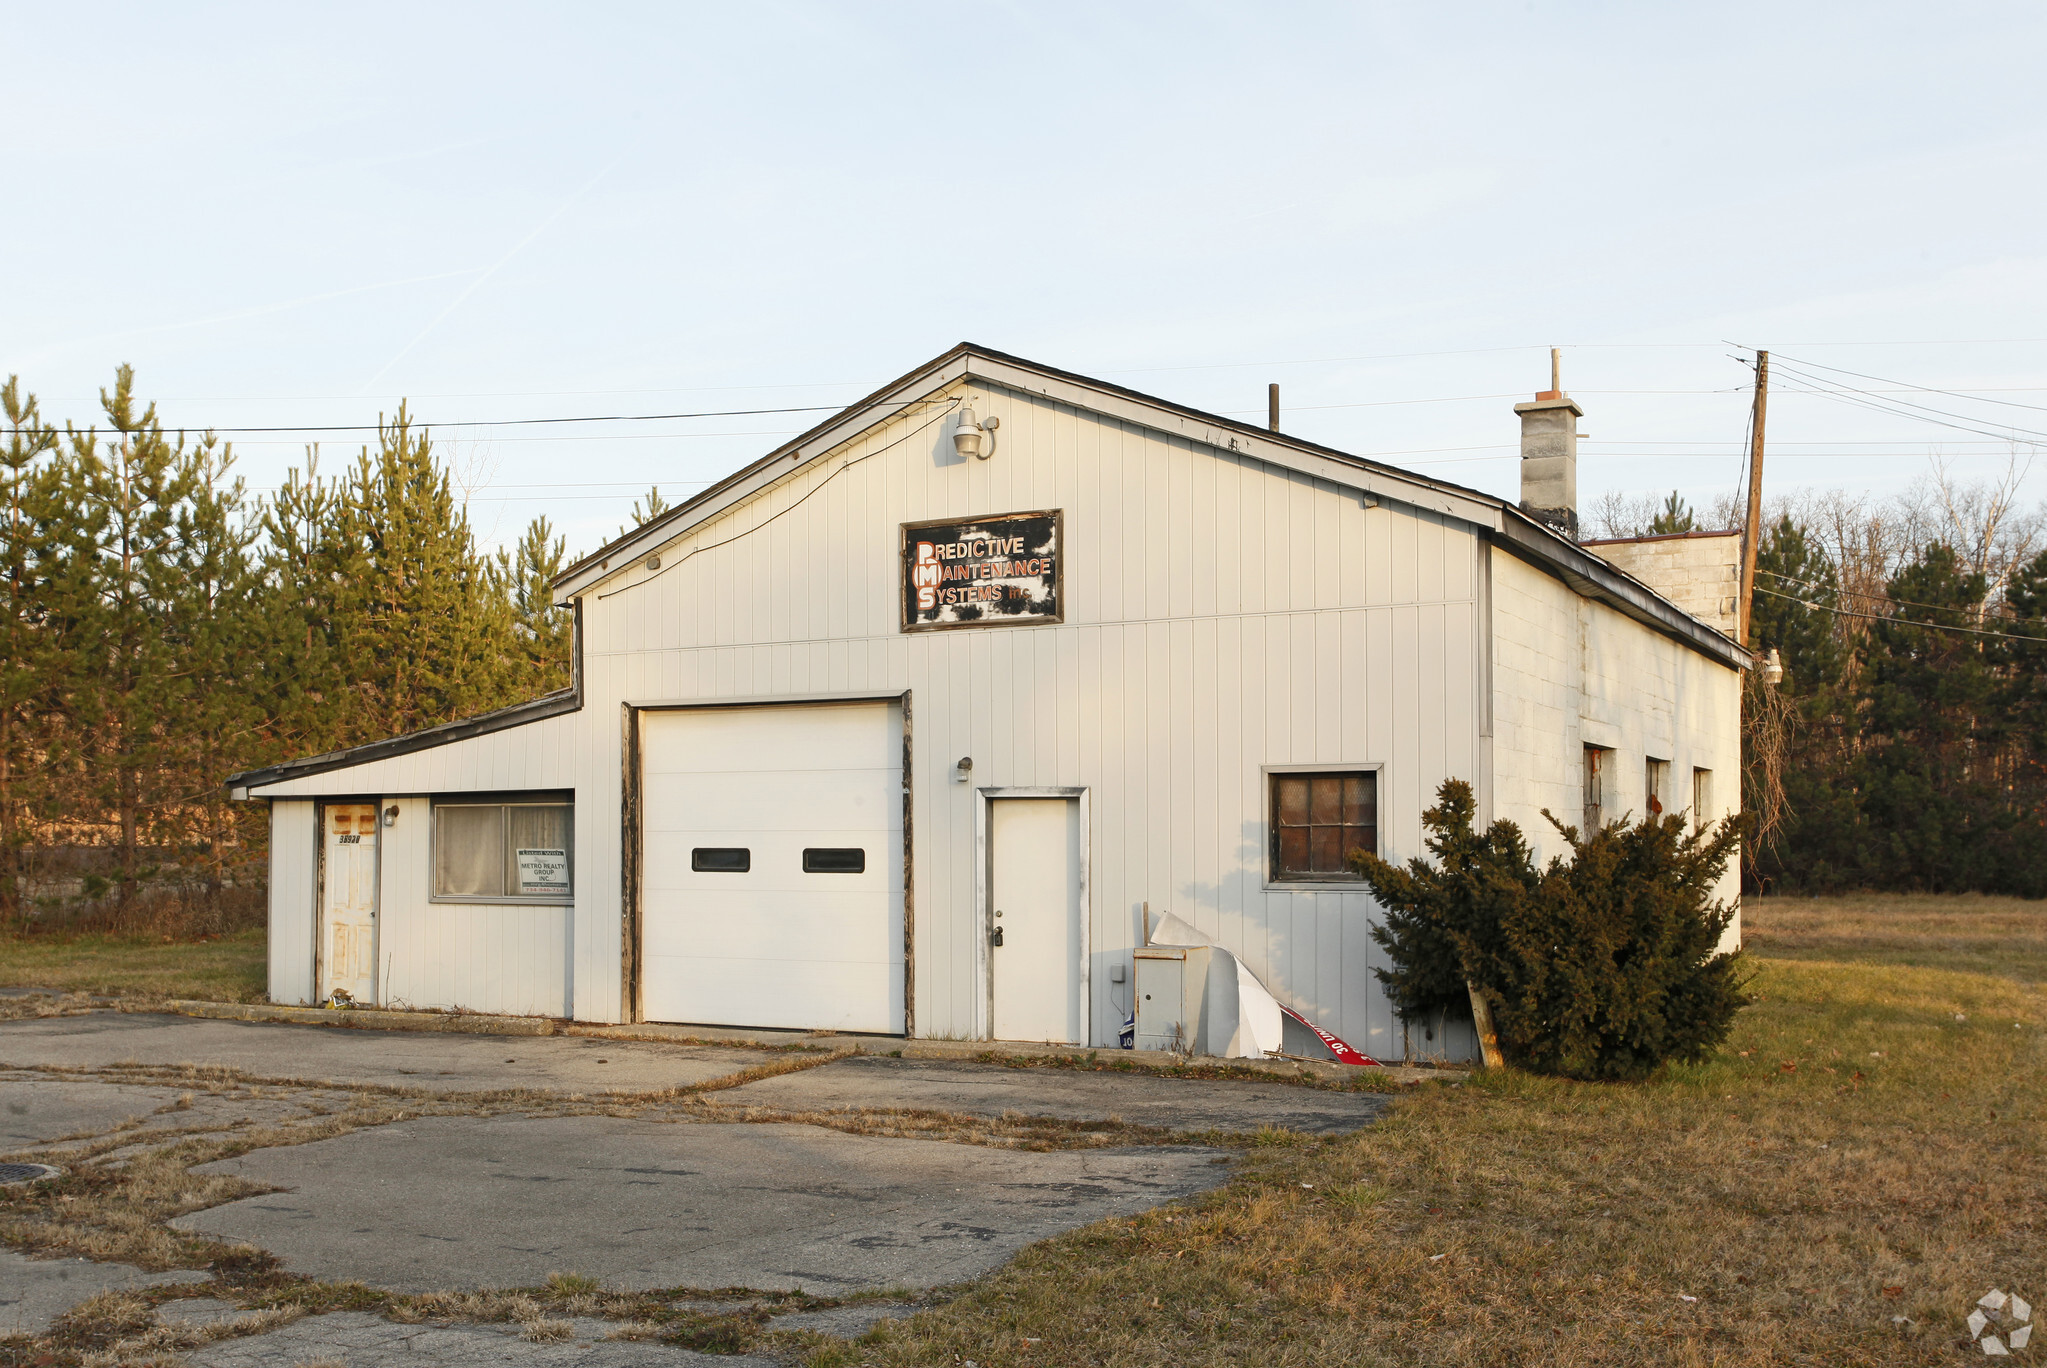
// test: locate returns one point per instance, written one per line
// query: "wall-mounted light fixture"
(1773, 667)
(391, 815)
(964, 770)
(974, 438)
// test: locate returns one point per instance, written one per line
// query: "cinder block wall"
(1698, 571)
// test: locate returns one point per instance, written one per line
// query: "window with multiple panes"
(518, 850)
(1318, 819)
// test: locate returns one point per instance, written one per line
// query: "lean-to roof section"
(1585, 572)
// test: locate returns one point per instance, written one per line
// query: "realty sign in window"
(996, 571)
(543, 872)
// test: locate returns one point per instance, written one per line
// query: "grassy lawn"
(225, 969)
(1868, 1146)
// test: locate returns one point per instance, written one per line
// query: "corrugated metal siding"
(1222, 615)
(294, 847)
(477, 957)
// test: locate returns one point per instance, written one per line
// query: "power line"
(1901, 622)
(1816, 384)
(424, 423)
(1909, 387)
(1887, 598)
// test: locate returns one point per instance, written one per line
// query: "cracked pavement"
(447, 1163)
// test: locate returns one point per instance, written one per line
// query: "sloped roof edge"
(245, 784)
(1586, 573)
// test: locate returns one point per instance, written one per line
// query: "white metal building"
(900, 728)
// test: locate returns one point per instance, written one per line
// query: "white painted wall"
(1569, 672)
(478, 957)
(294, 854)
(1221, 615)
(485, 958)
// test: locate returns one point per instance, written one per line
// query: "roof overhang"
(247, 784)
(1584, 572)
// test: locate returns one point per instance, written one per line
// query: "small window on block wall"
(1318, 819)
(1655, 780)
(1595, 788)
(1702, 798)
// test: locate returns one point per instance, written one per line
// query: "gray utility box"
(1172, 998)
(1161, 1022)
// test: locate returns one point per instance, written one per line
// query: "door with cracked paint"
(348, 902)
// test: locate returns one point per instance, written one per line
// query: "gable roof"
(1585, 572)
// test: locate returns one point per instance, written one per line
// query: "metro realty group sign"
(997, 571)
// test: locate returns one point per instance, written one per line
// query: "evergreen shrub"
(1603, 966)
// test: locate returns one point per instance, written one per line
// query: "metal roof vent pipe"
(1549, 456)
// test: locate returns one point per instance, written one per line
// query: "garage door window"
(512, 852)
(834, 860)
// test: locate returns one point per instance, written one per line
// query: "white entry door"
(1035, 943)
(772, 878)
(348, 902)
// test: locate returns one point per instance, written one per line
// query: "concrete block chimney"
(1549, 457)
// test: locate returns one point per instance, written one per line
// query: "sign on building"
(543, 873)
(982, 572)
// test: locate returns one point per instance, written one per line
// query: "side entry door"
(348, 902)
(1035, 935)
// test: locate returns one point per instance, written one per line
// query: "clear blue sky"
(284, 214)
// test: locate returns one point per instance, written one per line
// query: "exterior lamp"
(974, 438)
(1773, 668)
(391, 815)
(964, 770)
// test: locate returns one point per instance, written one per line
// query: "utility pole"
(1753, 535)
(1272, 407)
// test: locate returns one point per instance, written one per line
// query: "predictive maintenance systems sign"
(997, 571)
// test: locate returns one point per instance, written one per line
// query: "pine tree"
(424, 632)
(1929, 808)
(305, 696)
(214, 625)
(1797, 587)
(130, 689)
(30, 508)
(645, 511)
(1602, 966)
(1676, 516)
(541, 630)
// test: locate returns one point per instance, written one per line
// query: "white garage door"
(772, 887)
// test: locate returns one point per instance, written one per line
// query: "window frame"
(1702, 797)
(1269, 798)
(499, 801)
(1655, 780)
(1591, 769)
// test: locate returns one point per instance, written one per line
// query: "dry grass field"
(1838, 1186)
(1867, 1148)
(220, 969)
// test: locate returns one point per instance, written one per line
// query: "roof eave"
(244, 786)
